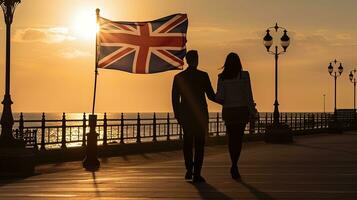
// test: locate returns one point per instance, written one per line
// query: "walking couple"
(234, 93)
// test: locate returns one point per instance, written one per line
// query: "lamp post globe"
(354, 81)
(285, 40)
(268, 40)
(340, 69)
(330, 68)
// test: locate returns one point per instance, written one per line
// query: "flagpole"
(96, 62)
(91, 161)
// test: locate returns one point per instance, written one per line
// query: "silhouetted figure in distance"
(189, 91)
(234, 92)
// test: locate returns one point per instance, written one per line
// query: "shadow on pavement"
(259, 194)
(207, 191)
(325, 149)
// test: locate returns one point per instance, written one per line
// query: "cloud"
(44, 35)
(210, 29)
(71, 53)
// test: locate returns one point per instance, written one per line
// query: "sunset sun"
(85, 25)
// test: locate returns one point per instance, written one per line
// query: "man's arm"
(220, 91)
(209, 90)
(251, 105)
(175, 98)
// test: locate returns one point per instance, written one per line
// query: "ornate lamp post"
(284, 42)
(7, 120)
(335, 75)
(324, 103)
(278, 133)
(15, 159)
(354, 81)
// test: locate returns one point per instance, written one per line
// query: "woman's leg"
(235, 138)
(235, 134)
(239, 140)
(232, 132)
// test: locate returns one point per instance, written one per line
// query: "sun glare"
(85, 25)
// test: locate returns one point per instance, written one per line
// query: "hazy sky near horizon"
(53, 58)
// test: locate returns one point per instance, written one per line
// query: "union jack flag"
(143, 47)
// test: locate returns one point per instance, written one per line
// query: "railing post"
(21, 124)
(63, 146)
(259, 123)
(300, 124)
(34, 135)
(324, 119)
(296, 124)
(84, 135)
(17, 133)
(138, 125)
(154, 128)
(180, 134)
(43, 132)
(217, 124)
(105, 133)
(266, 122)
(122, 128)
(304, 122)
(168, 126)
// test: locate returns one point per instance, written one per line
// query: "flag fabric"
(143, 47)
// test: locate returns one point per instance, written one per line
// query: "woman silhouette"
(234, 92)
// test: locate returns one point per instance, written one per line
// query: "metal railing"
(62, 133)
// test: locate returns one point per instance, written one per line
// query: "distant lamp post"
(335, 75)
(354, 81)
(324, 95)
(278, 132)
(335, 125)
(7, 120)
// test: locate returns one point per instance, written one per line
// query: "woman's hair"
(232, 66)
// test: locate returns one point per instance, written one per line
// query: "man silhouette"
(189, 91)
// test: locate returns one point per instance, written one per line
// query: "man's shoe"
(198, 179)
(188, 175)
(235, 173)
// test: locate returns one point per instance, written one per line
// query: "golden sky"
(53, 60)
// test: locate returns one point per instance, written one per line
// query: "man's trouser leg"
(187, 148)
(199, 152)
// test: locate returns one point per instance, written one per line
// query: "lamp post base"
(278, 134)
(16, 162)
(335, 126)
(9, 142)
(91, 162)
(353, 125)
(15, 159)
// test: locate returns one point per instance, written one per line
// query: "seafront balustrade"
(62, 133)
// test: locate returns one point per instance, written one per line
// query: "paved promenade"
(314, 167)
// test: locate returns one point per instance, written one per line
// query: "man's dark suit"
(190, 108)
